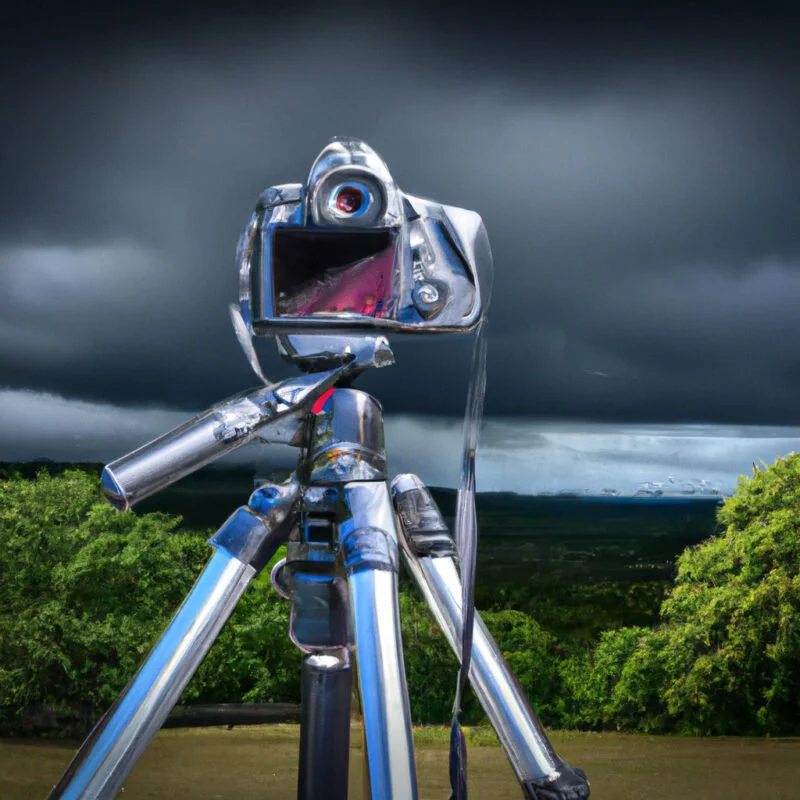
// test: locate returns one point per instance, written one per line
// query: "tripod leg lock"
(254, 532)
(568, 783)
(421, 519)
(367, 548)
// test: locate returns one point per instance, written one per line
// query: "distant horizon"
(525, 457)
(651, 494)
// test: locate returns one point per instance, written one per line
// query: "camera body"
(348, 252)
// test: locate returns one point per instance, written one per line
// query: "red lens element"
(349, 199)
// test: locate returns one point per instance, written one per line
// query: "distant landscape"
(579, 564)
(558, 537)
(613, 613)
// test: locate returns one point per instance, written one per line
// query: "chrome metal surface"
(321, 499)
(287, 194)
(312, 578)
(372, 584)
(315, 353)
(277, 577)
(370, 506)
(102, 765)
(515, 722)
(244, 259)
(253, 533)
(319, 617)
(307, 264)
(346, 441)
(281, 195)
(344, 161)
(210, 435)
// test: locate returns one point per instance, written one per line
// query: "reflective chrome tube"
(110, 753)
(242, 546)
(369, 542)
(499, 693)
(429, 554)
(207, 437)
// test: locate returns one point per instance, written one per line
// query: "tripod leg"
(369, 542)
(242, 546)
(325, 726)
(429, 553)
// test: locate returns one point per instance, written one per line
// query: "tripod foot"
(571, 784)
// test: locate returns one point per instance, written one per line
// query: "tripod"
(348, 253)
(345, 528)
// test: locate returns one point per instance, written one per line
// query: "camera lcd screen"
(324, 272)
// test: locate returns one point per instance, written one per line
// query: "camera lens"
(349, 199)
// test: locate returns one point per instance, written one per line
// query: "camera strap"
(467, 545)
(240, 313)
(466, 533)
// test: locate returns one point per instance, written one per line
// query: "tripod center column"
(346, 450)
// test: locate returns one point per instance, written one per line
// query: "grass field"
(260, 762)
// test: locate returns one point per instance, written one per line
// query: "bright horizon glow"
(524, 456)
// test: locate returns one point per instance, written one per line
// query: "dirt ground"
(260, 762)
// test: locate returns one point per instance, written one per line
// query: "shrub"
(725, 659)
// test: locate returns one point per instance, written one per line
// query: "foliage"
(432, 668)
(725, 658)
(617, 685)
(732, 621)
(577, 613)
(83, 590)
(86, 591)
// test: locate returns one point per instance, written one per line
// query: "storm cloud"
(640, 190)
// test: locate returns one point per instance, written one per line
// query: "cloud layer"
(641, 202)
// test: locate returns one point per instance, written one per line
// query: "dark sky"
(639, 176)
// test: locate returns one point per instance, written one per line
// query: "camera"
(349, 252)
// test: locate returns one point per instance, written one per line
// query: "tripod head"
(332, 265)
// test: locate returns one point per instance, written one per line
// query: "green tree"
(617, 685)
(86, 591)
(725, 658)
(733, 617)
(83, 591)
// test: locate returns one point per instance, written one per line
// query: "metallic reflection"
(99, 769)
(349, 251)
(513, 719)
(369, 542)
